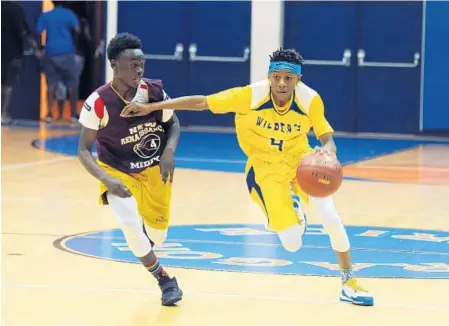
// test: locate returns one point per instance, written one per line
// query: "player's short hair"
(122, 42)
(288, 55)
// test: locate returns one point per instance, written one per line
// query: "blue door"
(163, 42)
(388, 79)
(321, 32)
(218, 50)
(195, 47)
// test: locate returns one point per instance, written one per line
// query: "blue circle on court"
(376, 251)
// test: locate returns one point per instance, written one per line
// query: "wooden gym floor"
(53, 273)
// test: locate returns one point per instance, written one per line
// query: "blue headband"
(284, 65)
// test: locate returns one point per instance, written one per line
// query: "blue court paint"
(221, 152)
(376, 251)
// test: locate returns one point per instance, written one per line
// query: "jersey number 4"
(278, 143)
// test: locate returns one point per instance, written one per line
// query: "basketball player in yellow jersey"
(272, 120)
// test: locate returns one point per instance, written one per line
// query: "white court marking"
(403, 168)
(218, 294)
(64, 201)
(8, 167)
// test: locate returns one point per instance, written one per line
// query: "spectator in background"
(16, 39)
(84, 44)
(59, 61)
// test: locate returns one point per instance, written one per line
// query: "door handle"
(176, 56)
(362, 63)
(345, 61)
(193, 57)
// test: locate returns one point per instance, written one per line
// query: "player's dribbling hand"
(167, 165)
(116, 187)
(322, 150)
(135, 110)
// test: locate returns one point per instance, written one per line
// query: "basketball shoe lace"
(353, 284)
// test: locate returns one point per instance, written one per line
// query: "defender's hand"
(167, 165)
(116, 187)
(135, 110)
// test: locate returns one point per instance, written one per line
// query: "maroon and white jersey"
(133, 144)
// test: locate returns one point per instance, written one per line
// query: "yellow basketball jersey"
(268, 132)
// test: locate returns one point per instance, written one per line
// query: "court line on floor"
(78, 200)
(236, 243)
(9, 167)
(209, 160)
(262, 244)
(218, 294)
(46, 200)
(277, 245)
(15, 166)
(36, 144)
(401, 168)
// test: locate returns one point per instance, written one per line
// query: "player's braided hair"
(289, 55)
(122, 42)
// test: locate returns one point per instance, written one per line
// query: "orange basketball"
(319, 175)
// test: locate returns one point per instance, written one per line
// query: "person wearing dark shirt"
(135, 156)
(16, 37)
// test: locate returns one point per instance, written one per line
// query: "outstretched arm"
(190, 103)
(237, 100)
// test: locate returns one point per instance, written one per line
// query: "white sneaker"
(355, 294)
(302, 219)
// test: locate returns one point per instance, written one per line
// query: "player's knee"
(326, 209)
(293, 246)
(338, 236)
(131, 222)
(291, 238)
(135, 237)
(125, 210)
(157, 236)
(332, 223)
(137, 242)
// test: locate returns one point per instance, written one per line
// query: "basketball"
(319, 175)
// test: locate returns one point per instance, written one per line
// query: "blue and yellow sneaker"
(355, 294)
(302, 219)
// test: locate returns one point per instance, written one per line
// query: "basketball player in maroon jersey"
(135, 156)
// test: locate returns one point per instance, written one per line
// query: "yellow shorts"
(270, 186)
(152, 195)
